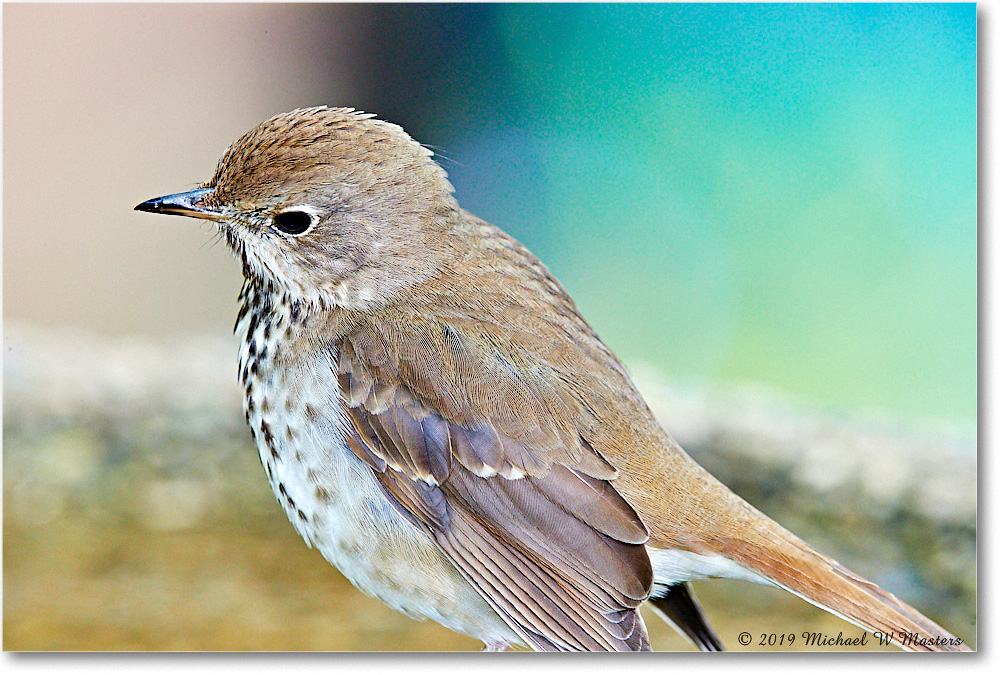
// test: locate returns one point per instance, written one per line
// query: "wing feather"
(464, 444)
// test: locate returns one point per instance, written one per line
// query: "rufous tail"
(787, 561)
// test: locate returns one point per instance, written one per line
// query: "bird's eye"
(293, 222)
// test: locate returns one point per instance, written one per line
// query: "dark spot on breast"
(243, 308)
(352, 549)
(284, 493)
(302, 516)
(265, 430)
(311, 412)
(322, 495)
(265, 406)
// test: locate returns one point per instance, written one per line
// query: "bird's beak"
(182, 204)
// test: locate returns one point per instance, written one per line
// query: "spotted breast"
(292, 403)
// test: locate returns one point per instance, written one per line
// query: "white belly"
(672, 566)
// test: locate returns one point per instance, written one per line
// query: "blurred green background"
(776, 197)
(785, 194)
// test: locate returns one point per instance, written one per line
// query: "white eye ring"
(295, 221)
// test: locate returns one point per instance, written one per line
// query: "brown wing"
(514, 496)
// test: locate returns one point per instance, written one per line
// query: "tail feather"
(787, 561)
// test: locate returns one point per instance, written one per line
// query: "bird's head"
(327, 204)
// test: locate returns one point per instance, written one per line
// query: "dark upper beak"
(182, 204)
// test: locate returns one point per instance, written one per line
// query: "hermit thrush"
(436, 417)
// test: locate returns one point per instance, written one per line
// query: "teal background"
(780, 195)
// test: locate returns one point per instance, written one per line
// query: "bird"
(437, 418)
